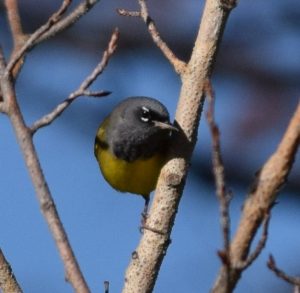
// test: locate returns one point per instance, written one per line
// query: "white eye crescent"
(145, 115)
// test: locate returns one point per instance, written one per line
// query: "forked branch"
(32, 39)
(55, 24)
(83, 88)
(179, 65)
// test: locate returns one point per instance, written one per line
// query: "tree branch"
(53, 26)
(68, 20)
(143, 269)
(14, 20)
(259, 247)
(179, 65)
(18, 36)
(31, 41)
(260, 200)
(281, 274)
(48, 209)
(83, 88)
(219, 174)
(8, 281)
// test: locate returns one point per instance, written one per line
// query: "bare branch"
(82, 90)
(8, 281)
(219, 174)
(143, 269)
(14, 20)
(281, 274)
(32, 39)
(179, 65)
(18, 36)
(49, 211)
(261, 199)
(111, 48)
(260, 246)
(68, 20)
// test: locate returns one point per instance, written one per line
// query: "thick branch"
(144, 266)
(83, 88)
(24, 137)
(261, 199)
(8, 281)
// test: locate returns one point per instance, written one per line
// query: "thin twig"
(219, 173)
(218, 168)
(179, 65)
(31, 41)
(98, 94)
(82, 90)
(8, 281)
(281, 274)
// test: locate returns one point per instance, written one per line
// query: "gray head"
(138, 127)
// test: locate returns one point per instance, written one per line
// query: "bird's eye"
(145, 115)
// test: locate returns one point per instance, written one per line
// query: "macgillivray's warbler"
(131, 145)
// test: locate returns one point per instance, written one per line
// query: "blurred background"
(257, 85)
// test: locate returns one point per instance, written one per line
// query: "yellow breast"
(139, 176)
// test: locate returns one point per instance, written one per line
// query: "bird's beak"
(165, 125)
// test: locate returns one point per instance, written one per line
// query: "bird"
(131, 145)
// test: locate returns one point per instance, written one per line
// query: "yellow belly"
(138, 177)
